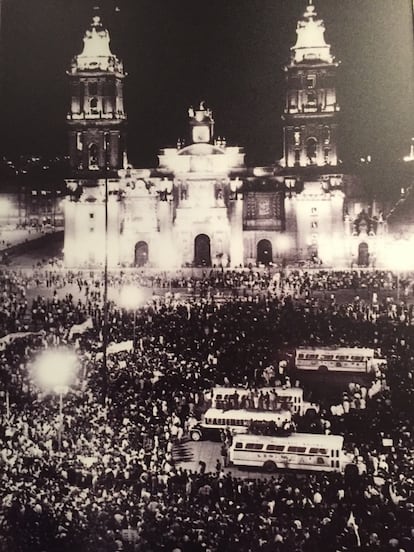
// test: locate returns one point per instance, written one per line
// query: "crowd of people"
(110, 482)
(290, 280)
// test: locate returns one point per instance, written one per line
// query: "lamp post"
(105, 298)
(55, 371)
(130, 297)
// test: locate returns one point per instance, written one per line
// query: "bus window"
(238, 445)
(275, 448)
(301, 355)
(315, 450)
(253, 446)
(296, 449)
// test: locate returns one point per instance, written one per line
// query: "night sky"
(228, 52)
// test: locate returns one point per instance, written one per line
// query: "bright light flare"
(5, 207)
(398, 255)
(55, 370)
(130, 297)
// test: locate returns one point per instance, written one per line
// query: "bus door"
(335, 458)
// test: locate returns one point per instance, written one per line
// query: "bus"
(338, 359)
(287, 398)
(237, 421)
(298, 451)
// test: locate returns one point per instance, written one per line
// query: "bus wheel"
(269, 466)
(195, 435)
(323, 369)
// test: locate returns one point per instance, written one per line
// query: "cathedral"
(202, 206)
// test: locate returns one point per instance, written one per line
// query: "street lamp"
(130, 297)
(399, 259)
(55, 371)
(105, 294)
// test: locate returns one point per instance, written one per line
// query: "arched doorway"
(141, 253)
(202, 250)
(363, 254)
(264, 252)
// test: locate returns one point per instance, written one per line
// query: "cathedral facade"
(202, 206)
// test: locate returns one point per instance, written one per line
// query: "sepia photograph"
(207, 276)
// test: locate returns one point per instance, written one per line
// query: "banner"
(7, 339)
(78, 329)
(113, 348)
(120, 347)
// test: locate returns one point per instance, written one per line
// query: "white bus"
(301, 451)
(287, 398)
(338, 359)
(237, 421)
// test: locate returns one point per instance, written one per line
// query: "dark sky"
(228, 52)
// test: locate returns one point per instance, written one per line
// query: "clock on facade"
(264, 207)
(201, 134)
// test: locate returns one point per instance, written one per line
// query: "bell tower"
(96, 119)
(311, 111)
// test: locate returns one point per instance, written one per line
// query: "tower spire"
(96, 51)
(311, 44)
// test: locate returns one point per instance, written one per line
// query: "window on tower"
(326, 135)
(326, 153)
(93, 88)
(93, 157)
(311, 145)
(94, 105)
(79, 141)
(297, 157)
(311, 99)
(109, 89)
(310, 81)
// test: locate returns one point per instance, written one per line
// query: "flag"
(352, 524)
(78, 329)
(396, 499)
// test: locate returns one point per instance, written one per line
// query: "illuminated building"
(202, 206)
